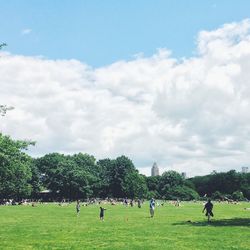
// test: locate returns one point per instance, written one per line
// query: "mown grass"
(50, 226)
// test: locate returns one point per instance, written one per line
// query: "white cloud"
(26, 31)
(190, 115)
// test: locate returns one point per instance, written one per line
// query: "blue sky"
(102, 32)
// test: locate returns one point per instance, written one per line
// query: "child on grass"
(102, 213)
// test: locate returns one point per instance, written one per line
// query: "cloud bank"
(190, 115)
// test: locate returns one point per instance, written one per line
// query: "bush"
(238, 196)
(217, 195)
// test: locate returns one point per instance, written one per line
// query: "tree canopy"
(15, 168)
(80, 176)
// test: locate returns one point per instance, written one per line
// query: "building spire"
(154, 170)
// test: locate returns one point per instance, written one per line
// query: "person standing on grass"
(78, 207)
(102, 213)
(139, 203)
(152, 207)
(126, 202)
(208, 207)
(131, 203)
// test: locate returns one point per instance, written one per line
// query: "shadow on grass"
(243, 222)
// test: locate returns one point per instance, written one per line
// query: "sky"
(101, 32)
(164, 81)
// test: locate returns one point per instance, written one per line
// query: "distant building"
(184, 175)
(244, 170)
(155, 170)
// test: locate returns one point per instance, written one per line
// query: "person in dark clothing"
(152, 207)
(102, 213)
(139, 203)
(126, 202)
(208, 207)
(132, 203)
(78, 207)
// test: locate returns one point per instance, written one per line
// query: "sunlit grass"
(54, 227)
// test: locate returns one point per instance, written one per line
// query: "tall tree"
(15, 168)
(121, 179)
(169, 180)
(69, 176)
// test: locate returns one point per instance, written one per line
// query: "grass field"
(50, 226)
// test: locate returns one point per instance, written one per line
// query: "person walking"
(78, 205)
(152, 207)
(139, 203)
(208, 207)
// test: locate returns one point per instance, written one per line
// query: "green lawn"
(53, 227)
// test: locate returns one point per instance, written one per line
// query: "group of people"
(131, 202)
(13, 202)
(208, 208)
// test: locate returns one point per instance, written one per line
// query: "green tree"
(15, 168)
(169, 180)
(217, 195)
(153, 183)
(121, 179)
(86, 166)
(238, 196)
(69, 176)
(226, 183)
(122, 167)
(35, 182)
(135, 186)
(106, 168)
(153, 186)
(182, 193)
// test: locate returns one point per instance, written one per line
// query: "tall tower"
(184, 175)
(154, 170)
(244, 170)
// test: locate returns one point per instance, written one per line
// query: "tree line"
(81, 176)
